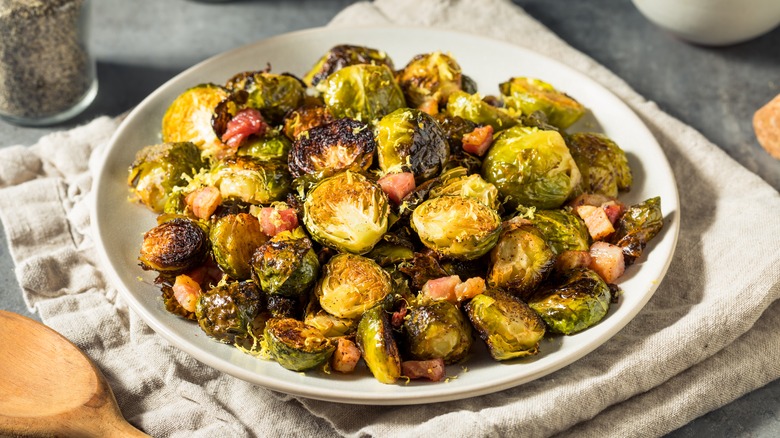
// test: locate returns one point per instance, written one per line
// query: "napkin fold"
(710, 334)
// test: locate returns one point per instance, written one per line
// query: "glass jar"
(47, 74)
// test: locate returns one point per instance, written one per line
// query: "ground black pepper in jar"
(46, 72)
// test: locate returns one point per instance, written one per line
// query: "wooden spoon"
(48, 387)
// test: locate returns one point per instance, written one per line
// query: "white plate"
(119, 225)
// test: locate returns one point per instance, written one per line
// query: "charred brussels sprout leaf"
(269, 147)
(521, 259)
(249, 180)
(363, 92)
(189, 118)
(531, 167)
(603, 164)
(564, 230)
(330, 326)
(350, 284)
(158, 169)
(274, 95)
(457, 181)
(471, 107)
(456, 226)
(423, 267)
(438, 330)
(411, 141)
(579, 300)
(326, 149)
(638, 225)
(226, 313)
(295, 345)
(430, 77)
(234, 239)
(286, 265)
(528, 95)
(173, 246)
(508, 326)
(377, 346)
(342, 56)
(347, 212)
(304, 118)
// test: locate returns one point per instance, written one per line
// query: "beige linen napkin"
(710, 334)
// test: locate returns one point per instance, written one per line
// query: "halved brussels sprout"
(410, 140)
(189, 117)
(273, 94)
(430, 76)
(174, 246)
(344, 55)
(330, 326)
(521, 259)
(234, 239)
(438, 329)
(457, 181)
(265, 148)
(363, 92)
(528, 95)
(344, 144)
(563, 230)
(157, 169)
(508, 326)
(531, 167)
(249, 180)
(638, 225)
(377, 345)
(347, 212)
(603, 164)
(579, 300)
(457, 226)
(227, 312)
(304, 118)
(295, 345)
(350, 284)
(471, 107)
(286, 265)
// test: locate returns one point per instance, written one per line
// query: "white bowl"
(712, 22)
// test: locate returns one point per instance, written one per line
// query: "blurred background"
(139, 45)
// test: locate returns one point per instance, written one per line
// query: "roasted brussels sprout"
(391, 250)
(295, 345)
(189, 118)
(531, 167)
(456, 226)
(603, 164)
(410, 140)
(158, 169)
(363, 92)
(429, 77)
(457, 181)
(330, 326)
(579, 300)
(234, 239)
(286, 265)
(563, 230)
(265, 148)
(344, 144)
(639, 224)
(508, 326)
(342, 56)
(347, 212)
(227, 312)
(249, 180)
(304, 118)
(471, 107)
(350, 284)
(438, 329)
(174, 246)
(273, 94)
(521, 259)
(454, 129)
(377, 345)
(528, 95)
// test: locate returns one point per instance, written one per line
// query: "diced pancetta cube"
(397, 185)
(607, 260)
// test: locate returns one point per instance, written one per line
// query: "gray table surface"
(141, 44)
